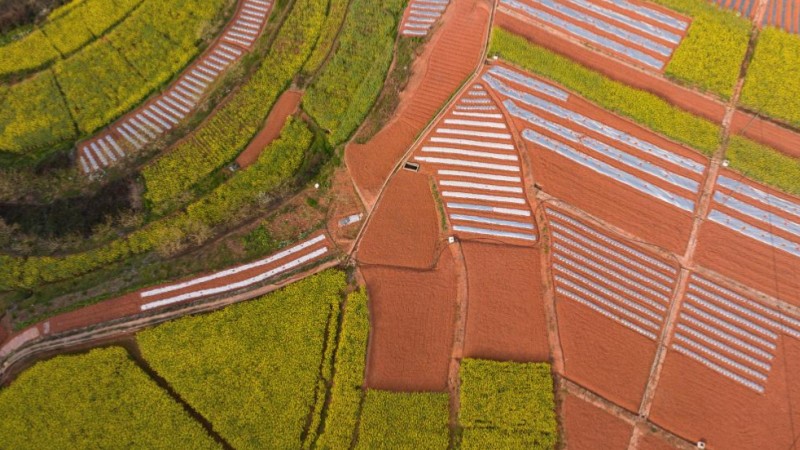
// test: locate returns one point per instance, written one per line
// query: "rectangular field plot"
(639, 33)
(611, 301)
(732, 360)
(601, 163)
(752, 234)
(474, 159)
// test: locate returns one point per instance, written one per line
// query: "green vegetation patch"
(341, 97)
(230, 129)
(643, 107)
(33, 115)
(276, 165)
(394, 420)
(507, 405)
(96, 400)
(710, 56)
(251, 369)
(772, 85)
(333, 23)
(346, 393)
(764, 164)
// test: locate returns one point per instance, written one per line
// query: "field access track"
(640, 33)
(612, 301)
(732, 365)
(167, 110)
(601, 163)
(472, 155)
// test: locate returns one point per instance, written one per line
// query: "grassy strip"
(96, 400)
(346, 396)
(275, 166)
(711, 54)
(251, 368)
(764, 164)
(230, 129)
(352, 79)
(641, 106)
(333, 23)
(507, 405)
(393, 420)
(772, 85)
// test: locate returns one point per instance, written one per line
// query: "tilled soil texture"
(696, 403)
(611, 28)
(723, 247)
(611, 302)
(758, 129)
(413, 322)
(505, 316)
(587, 427)
(404, 230)
(284, 107)
(565, 120)
(451, 55)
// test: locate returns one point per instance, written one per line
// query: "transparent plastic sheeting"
(609, 171)
(759, 195)
(756, 233)
(771, 219)
(529, 82)
(600, 147)
(652, 14)
(594, 125)
(601, 41)
(644, 27)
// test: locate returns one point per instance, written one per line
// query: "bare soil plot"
(404, 230)
(587, 427)
(413, 322)
(451, 55)
(505, 318)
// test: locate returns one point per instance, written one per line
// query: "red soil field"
(697, 403)
(451, 55)
(283, 108)
(505, 317)
(587, 427)
(412, 316)
(651, 441)
(703, 105)
(603, 356)
(653, 220)
(404, 230)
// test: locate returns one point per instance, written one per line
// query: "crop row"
(643, 107)
(277, 164)
(711, 54)
(764, 164)
(351, 81)
(773, 77)
(507, 405)
(252, 369)
(96, 400)
(65, 30)
(330, 28)
(227, 132)
(110, 76)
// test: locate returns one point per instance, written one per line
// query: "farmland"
(445, 224)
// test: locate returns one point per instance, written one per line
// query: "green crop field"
(100, 399)
(253, 369)
(393, 420)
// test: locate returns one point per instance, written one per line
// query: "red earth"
(758, 129)
(587, 427)
(404, 229)
(451, 55)
(412, 316)
(285, 106)
(505, 317)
